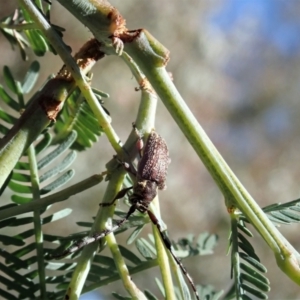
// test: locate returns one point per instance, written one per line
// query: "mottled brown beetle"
(150, 176)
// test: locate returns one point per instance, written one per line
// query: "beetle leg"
(120, 195)
(127, 166)
(140, 142)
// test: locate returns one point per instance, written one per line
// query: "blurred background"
(237, 65)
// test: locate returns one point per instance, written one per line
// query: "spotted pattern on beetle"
(154, 163)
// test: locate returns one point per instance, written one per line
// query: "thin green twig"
(128, 283)
(38, 232)
(79, 78)
(140, 268)
(104, 215)
(25, 26)
(162, 256)
(54, 198)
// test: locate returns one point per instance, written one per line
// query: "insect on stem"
(150, 177)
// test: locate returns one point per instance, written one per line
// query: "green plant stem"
(151, 57)
(39, 112)
(16, 142)
(136, 72)
(162, 256)
(140, 268)
(220, 171)
(129, 285)
(79, 78)
(104, 215)
(145, 122)
(26, 26)
(145, 119)
(177, 273)
(54, 198)
(37, 222)
(287, 257)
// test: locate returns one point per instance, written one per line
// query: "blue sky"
(278, 20)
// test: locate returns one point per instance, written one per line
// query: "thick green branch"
(287, 257)
(151, 57)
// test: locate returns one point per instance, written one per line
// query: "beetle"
(150, 177)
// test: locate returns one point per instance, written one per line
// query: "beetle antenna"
(168, 245)
(95, 237)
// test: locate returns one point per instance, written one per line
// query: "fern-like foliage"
(285, 213)
(107, 273)
(14, 37)
(41, 170)
(23, 245)
(24, 36)
(247, 270)
(19, 89)
(208, 292)
(77, 115)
